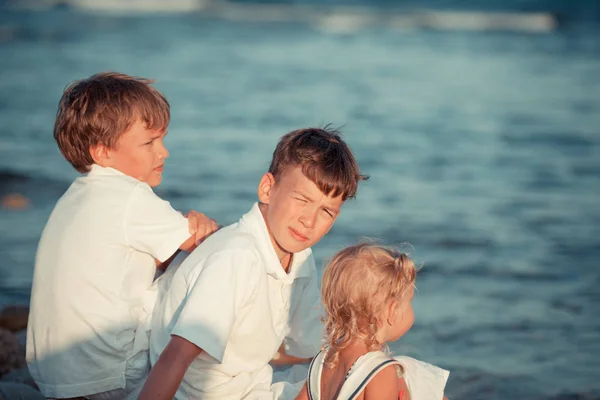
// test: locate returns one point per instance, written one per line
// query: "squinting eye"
(301, 200)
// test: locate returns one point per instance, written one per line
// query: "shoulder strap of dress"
(313, 381)
(362, 372)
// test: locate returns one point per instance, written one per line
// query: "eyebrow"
(333, 210)
(297, 192)
(153, 137)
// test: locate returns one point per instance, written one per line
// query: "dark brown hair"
(324, 157)
(99, 109)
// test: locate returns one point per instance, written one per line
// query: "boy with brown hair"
(92, 293)
(249, 293)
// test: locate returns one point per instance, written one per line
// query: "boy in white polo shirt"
(91, 297)
(249, 293)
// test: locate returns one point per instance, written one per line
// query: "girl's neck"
(359, 347)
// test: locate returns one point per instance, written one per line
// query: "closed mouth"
(298, 236)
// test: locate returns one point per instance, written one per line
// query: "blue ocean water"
(483, 149)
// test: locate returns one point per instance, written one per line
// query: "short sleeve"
(152, 226)
(226, 283)
(305, 337)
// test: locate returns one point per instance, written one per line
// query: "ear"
(392, 312)
(265, 186)
(101, 155)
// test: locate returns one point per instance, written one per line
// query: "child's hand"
(201, 226)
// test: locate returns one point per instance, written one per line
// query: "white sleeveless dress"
(360, 374)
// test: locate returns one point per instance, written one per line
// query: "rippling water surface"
(483, 150)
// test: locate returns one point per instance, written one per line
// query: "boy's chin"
(297, 247)
(154, 182)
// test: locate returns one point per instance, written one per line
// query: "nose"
(162, 151)
(308, 217)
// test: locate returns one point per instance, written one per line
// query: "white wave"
(140, 6)
(335, 19)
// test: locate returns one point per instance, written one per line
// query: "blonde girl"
(367, 292)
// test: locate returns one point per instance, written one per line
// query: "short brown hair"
(99, 109)
(324, 157)
(357, 283)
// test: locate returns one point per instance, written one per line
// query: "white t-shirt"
(91, 297)
(232, 298)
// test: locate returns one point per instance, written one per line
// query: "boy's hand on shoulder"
(201, 226)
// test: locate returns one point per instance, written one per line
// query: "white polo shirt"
(232, 298)
(94, 267)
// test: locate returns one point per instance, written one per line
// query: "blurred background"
(478, 121)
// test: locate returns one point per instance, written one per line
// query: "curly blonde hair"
(357, 282)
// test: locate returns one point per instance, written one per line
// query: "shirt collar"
(300, 267)
(99, 170)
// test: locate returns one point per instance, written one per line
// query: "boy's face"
(139, 153)
(297, 213)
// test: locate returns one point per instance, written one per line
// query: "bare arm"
(166, 375)
(404, 390)
(189, 245)
(285, 359)
(201, 227)
(163, 265)
(303, 395)
(385, 386)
